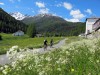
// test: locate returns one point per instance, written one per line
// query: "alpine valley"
(45, 24)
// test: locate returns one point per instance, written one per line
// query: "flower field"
(77, 58)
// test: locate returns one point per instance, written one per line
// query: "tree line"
(8, 24)
(73, 30)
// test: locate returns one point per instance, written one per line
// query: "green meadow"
(23, 42)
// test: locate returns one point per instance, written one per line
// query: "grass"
(76, 58)
(23, 41)
(73, 39)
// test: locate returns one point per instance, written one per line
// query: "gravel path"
(4, 59)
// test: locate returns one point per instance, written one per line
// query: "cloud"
(54, 14)
(11, 1)
(18, 0)
(59, 5)
(43, 10)
(67, 5)
(30, 8)
(14, 1)
(88, 11)
(16, 6)
(1, 3)
(33, 11)
(40, 4)
(76, 14)
(56, 1)
(72, 20)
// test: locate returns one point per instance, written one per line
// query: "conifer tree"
(31, 30)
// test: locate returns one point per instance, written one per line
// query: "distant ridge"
(54, 25)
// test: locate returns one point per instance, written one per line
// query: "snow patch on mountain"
(18, 15)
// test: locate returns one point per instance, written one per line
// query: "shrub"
(0, 37)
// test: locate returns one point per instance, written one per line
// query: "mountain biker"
(45, 44)
(51, 42)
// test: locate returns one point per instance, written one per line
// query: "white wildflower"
(30, 67)
(4, 72)
(14, 47)
(1, 68)
(6, 66)
(92, 50)
(63, 62)
(59, 69)
(42, 73)
(39, 65)
(14, 64)
(57, 62)
(35, 51)
(36, 59)
(21, 56)
(89, 73)
(67, 53)
(48, 58)
(97, 61)
(12, 52)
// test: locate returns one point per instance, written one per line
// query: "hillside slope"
(8, 24)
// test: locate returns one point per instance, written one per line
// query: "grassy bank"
(23, 41)
(77, 58)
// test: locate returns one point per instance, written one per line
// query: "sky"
(70, 10)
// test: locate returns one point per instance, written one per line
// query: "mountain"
(53, 25)
(41, 18)
(9, 24)
(18, 15)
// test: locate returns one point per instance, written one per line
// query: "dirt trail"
(4, 59)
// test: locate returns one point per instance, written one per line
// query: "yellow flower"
(72, 70)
